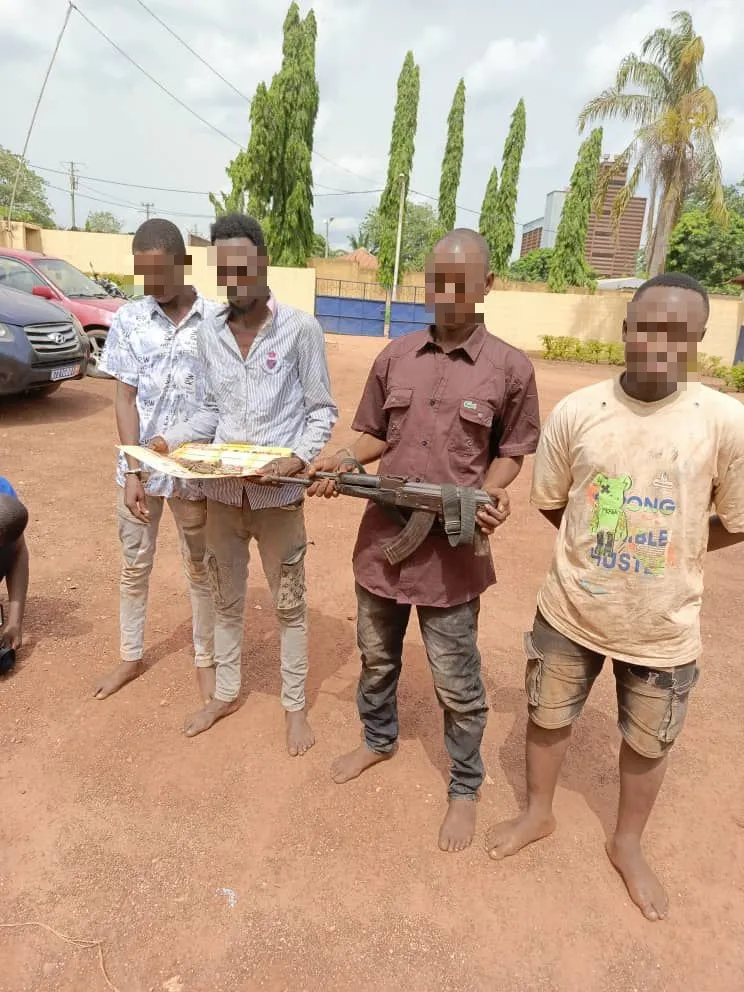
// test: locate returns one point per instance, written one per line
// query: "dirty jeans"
(280, 535)
(450, 638)
(138, 544)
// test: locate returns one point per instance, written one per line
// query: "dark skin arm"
(11, 633)
(501, 473)
(366, 449)
(127, 421)
(719, 537)
(554, 517)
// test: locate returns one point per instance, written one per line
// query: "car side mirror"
(44, 292)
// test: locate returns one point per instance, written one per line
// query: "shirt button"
(424, 444)
(432, 402)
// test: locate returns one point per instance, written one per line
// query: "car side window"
(16, 275)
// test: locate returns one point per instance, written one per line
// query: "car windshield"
(69, 280)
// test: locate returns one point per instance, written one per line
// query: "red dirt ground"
(114, 826)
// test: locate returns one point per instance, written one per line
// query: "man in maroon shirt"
(453, 404)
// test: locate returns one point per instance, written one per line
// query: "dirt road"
(222, 864)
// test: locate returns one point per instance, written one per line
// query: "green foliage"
(400, 163)
(707, 250)
(31, 204)
(103, 222)
(421, 230)
(502, 243)
(734, 377)
(532, 267)
(487, 224)
(675, 117)
(568, 266)
(569, 349)
(272, 178)
(452, 162)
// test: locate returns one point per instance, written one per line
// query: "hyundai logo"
(57, 338)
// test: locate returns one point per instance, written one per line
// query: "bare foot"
(208, 715)
(458, 829)
(125, 671)
(506, 839)
(644, 888)
(351, 765)
(206, 679)
(300, 736)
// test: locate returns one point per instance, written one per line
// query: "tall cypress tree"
(487, 224)
(400, 162)
(452, 162)
(568, 265)
(506, 201)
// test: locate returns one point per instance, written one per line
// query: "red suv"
(57, 280)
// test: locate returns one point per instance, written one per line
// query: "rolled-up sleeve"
(321, 413)
(118, 359)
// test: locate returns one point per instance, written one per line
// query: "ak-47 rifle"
(452, 507)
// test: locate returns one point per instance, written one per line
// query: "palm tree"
(359, 240)
(677, 124)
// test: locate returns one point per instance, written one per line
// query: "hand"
(158, 444)
(135, 499)
(491, 517)
(11, 636)
(279, 466)
(327, 463)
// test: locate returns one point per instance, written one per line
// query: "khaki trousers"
(280, 535)
(138, 545)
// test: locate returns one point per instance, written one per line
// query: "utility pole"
(73, 189)
(147, 209)
(328, 223)
(401, 211)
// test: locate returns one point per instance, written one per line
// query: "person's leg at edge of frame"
(227, 562)
(451, 639)
(282, 541)
(652, 705)
(381, 627)
(138, 545)
(558, 680)
(191, 522)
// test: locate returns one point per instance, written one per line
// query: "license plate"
(66, 372)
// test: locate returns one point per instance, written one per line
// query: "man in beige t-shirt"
(628, 470)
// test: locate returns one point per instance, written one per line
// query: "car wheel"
(97, 339)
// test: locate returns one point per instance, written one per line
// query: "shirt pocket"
(470, 435)
(397, 407)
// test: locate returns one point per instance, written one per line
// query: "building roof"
(738, 280)
(363, 258)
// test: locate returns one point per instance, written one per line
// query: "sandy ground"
(222, 864)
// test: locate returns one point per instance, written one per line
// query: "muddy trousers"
(138, 546)
(280, 535)
(450, 638)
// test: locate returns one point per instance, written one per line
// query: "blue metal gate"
(350, 307)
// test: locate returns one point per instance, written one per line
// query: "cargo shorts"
(651, 702)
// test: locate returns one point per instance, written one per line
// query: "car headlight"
(5, 333)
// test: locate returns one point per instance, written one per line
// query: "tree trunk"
(663, 232)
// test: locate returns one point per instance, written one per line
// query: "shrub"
(568, 349)
(734, 377)
(711, 365)
(615, 354)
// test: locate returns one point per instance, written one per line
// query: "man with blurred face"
(450, 405)
(267, 382)
(627, 471)
(151, 352)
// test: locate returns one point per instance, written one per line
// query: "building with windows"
(611, 251)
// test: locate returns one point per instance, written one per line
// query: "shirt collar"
(197, 308)
(472, 346)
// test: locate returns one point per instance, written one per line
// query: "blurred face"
(241, 271)
(661, 334)
(162, 274)
(457, 280)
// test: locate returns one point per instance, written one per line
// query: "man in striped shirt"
(267, 383)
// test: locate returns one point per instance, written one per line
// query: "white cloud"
(504, 57)
(434, 39)
(731, 147)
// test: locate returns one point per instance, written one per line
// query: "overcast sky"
(100, 111)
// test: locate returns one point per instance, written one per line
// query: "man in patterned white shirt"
(151, 352)
(265, 367)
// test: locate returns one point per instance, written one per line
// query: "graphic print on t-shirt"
(631, 528)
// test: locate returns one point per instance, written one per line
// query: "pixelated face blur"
(162, 274)
(241, 270)
(457, 280)
(661, 334)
